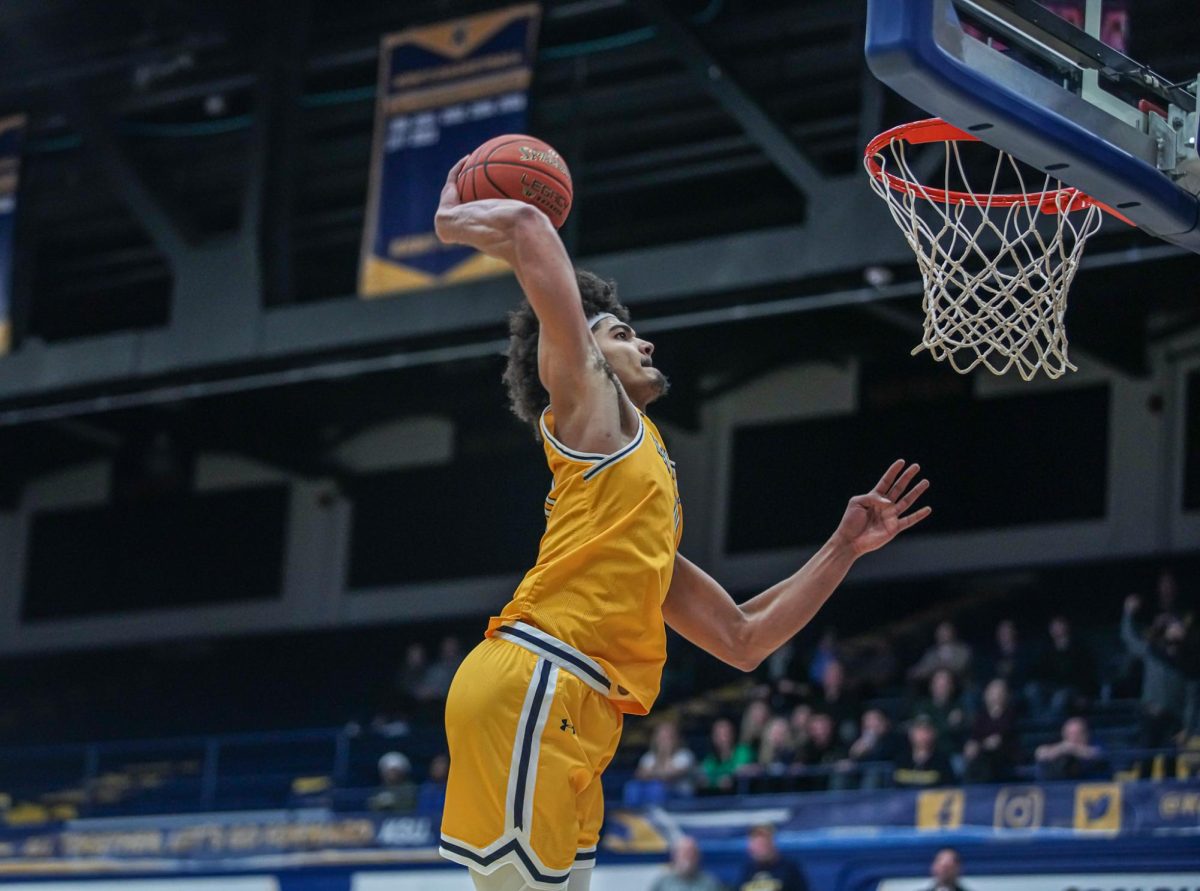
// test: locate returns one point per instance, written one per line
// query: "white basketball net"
(996, 274)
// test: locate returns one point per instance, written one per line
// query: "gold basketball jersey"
(613, 524)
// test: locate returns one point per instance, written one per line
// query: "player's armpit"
(700, 610)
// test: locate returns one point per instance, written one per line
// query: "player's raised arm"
(570, 364)
(744, 634)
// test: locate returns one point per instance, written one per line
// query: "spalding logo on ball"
(521, 168)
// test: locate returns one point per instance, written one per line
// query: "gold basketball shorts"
(530, 729)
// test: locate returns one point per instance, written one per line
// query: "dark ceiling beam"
(109, 155)
(268, 191)
(160, 224)
(64, 72)
(706, 263)
(728, 91)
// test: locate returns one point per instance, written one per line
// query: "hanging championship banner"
(11, 131)
(444, 90)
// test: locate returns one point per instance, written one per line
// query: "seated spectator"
(718, 770)
(754, 720)
(766, 868)
(431, 797)
(923, 763)
(1073, 758)
(947, 652)
(945, 870)
(943, 706)
(435, 681)
(1064, 677)
(668, 762)
(822, 746)
(1164, 681)
(993, 749)
(877, 741)
(799, 723)
(396, 791)
(835, 701)
(686, 874)
(869, 755)
(1008, 659)
(777, 751)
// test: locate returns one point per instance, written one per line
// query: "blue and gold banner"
(444, 90)
(317, 836)
(12, 129)
(1084, 810)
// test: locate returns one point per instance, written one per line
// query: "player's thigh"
(483, 714)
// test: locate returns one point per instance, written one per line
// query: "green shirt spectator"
(718, 769)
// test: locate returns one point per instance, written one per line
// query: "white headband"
(597, 319)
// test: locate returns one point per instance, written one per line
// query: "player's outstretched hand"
(874, 519)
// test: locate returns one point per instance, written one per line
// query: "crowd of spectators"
(954, 716)
(850, 717)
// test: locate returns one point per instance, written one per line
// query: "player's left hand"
(874, 519)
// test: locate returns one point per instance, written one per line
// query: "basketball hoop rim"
(932, 130)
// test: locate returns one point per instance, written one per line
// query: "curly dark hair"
(526, 396)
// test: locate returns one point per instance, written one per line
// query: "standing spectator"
(1072, 758)
(924, 764)
(945, 870)
(875, 744)
(754, 720)
(668, 762)
(410, 675)
(686, 874)
(766, 868)
(435, 682)
(1167, 591)
(947, 652)
(840, 705)
(1008, 659)
(993, 749)
(1164, 683)
(431, 797)
(719, 769)
(396, 791)
(943, 706)
(1064, 678)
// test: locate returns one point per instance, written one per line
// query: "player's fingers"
(452, 176)
(872, 501)
(914, 518)
(903, 480)
(889, 476)
(910, 499)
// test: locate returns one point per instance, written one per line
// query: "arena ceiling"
(715, 148)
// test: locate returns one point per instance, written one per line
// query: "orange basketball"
(520, 167)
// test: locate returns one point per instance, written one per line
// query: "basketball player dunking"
(534, 713)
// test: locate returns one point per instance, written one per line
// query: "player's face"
(632, 361)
